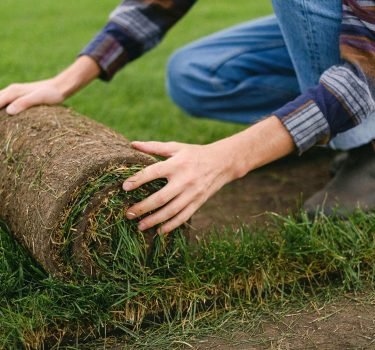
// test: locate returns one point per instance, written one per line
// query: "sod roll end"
(60, 191)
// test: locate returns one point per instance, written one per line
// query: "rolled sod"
(61, 194)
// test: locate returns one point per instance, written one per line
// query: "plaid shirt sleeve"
(134, 27)
(345, 94)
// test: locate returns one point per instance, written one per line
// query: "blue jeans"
(246, 72)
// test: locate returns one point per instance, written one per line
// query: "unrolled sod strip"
(60, 189)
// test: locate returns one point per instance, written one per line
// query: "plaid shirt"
(134, 27)
(343, 98)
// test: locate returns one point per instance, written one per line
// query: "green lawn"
(39, 39)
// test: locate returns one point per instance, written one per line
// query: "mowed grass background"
(39, 39)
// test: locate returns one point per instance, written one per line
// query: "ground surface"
(279, 187)
(347, 324)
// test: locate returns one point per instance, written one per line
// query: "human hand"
(194, 173)
(20, 97)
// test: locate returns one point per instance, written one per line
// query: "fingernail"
(127, 186)
(11, 110)
(130, 215)
(141, 226)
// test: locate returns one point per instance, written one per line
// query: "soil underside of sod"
(58, 172)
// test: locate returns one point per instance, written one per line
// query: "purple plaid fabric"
(134, 27)
(345, 95)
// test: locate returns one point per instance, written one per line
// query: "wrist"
(65, 85)
(231, 157)
(256, 146)
(76, 76)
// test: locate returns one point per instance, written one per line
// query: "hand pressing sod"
(19, 97)
(194, 174)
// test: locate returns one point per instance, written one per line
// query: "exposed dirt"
(279, 187)
(349, 324)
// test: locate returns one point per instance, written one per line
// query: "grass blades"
(95, 228)
(232, 275)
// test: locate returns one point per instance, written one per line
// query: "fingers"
(172, 200)
(18, 98)
(21, 104)
(179, 219)
(153, 202)
(148, 174)
(9, 94)
(165, 213)
(164, 149)
(175, 203)
(171, 210)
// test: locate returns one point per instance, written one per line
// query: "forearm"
(76, 76)
(256, 146)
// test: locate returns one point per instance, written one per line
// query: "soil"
(348, 324)
(46, 154)
(279, 188)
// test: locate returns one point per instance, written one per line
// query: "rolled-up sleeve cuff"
(305, 122)
(108, 53)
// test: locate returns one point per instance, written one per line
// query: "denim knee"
(182, 81)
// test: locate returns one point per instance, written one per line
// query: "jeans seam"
(313, 45)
